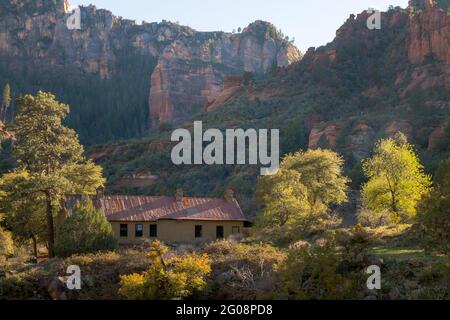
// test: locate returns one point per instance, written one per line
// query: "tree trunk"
(50, 227)
(35, 251)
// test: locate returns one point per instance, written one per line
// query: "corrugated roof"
(147, 208)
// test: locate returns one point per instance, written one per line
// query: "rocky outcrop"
(324, 135)
(191, 67)
(402, 126)
(361, 141)
(231, 85)
(429, 32)
(190, 75)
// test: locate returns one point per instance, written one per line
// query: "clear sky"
(312, 22)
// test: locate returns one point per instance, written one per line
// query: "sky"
(311, 22)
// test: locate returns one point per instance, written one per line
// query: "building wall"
(176, 231)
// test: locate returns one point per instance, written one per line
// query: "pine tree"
(51, 154)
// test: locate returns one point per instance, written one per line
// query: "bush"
(168, 278)
(85, 231)
(374, 219)
(243, 271)
(314, 272)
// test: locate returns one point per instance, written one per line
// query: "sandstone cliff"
(191, 66)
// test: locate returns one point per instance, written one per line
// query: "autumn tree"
(396, 178)
(283, 196)
(51, 154)
(321, 172)
(303, 190)
(24, 211)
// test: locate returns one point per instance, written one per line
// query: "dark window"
(153, 231)
(139, 230)
(198, 231)
(123, 230)
(236, 230)
(219, 232)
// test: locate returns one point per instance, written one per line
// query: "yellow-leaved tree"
(397, 180)
(299, 196)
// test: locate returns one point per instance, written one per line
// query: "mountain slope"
(120, 77)
(362, 86)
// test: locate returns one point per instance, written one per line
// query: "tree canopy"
(301, 193)
(396, 178)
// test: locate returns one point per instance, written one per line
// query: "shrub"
(374, 219)
(85, 231)
(315, 273)
(243, 271)
(168, 278)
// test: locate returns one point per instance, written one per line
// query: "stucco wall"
(175, 231)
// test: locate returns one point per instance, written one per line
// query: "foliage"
(322, 175)
(85, 230)
(314, 273)
(243, 271)
(300, 194)
(283, 197)
(396, 178)
(374, 219)
(168, 278)
(24, 211)
(433, 218)
(51, 154)
(6, 244)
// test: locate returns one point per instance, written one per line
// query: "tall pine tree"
(51, 154)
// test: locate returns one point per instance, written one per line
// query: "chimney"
(100, 192)
(229, 195)
(179, 195)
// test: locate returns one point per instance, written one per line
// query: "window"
(219, 232)
(198, 231)
(153, 231)
(236, 230)
(139, 230)
(123, 230)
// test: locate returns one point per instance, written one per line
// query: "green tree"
(6, 101)
(24, 212)
(51, 154)
(321, 172)
(86, 230)
(302, 191)
(283, 197)
(396, 178)
(168, 278)
(433, 216)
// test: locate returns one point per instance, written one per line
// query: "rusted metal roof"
(147, 208)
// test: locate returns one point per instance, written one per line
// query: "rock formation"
(191, 66)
